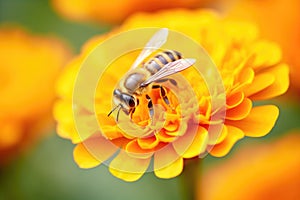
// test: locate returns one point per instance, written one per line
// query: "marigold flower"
(29, 66)
(250, 68)
(265, 171)
(115, 11)
(279, 21)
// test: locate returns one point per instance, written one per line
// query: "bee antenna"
(114, 110)
(118, 113)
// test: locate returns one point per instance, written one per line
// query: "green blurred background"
(47, 170)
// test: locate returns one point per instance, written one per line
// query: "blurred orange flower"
(29, 66)
(250, 67)
(268, 171)
(117, 10)
(278, 20)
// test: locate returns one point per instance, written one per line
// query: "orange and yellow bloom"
(265, 171)
(278, 20)
(116, 11)
(28, 69)
(250, 68)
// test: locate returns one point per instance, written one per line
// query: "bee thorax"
(133, 81)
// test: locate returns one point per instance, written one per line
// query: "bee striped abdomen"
(161, 59)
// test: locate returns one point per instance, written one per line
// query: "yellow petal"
(259, 122)
(66, 127)
(216, 134)
(223, 135)
(164, 157)
(128, 168)
(65, 83)
(241, 111)
(190, 145)
(281, 84)
(126, 176)
(241, 32)
(86, 126)
(83, 157)
(172, 170)
(260, 82)
(93, 151)
(234, 134)
(266, 54)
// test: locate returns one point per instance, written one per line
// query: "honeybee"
(139, 80)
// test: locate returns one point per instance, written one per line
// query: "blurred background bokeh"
(38, 37)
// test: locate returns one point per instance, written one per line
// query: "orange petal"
(245, 78)
(128, 168)
(259, 122)
(234, 99)
(234, 134)
(260, 82)
(134, 149)
(190, 145)
(120, 142)
(241, 111)
(163, 137)
(172, 170)
(281, 84)
(93, 151)
(171, 126)
(111, 132)
(180, 129)
(148, 143)
(105, 120)
(269, 170)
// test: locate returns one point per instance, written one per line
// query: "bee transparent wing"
(169, 69)
(157, 40)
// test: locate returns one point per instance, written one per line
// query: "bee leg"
(131, 112)
(163, 95)
(150, 106)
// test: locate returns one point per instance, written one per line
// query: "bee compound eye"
(128, 99)
(131, 102)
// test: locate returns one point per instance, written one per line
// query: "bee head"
(127, 101)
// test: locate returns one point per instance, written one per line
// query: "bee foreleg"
(150, 106)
